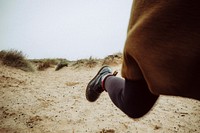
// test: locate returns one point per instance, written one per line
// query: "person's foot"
(94, 87)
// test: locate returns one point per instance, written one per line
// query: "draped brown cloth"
(163, 46)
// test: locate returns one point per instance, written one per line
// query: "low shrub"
(15, 58)
(43, 66)
(61, 64)
(113, 60)
(91, 62)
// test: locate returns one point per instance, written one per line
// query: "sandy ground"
(54, 102)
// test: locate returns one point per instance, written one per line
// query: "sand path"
(54, 102)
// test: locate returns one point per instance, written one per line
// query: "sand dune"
(54, 102)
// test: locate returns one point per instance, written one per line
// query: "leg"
(132, 97)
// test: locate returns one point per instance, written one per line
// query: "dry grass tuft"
(61, 64)
(43, 64)
(91, 62)
(40, 61)
(113, 60)
(15, 59)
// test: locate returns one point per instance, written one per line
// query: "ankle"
(103, 79)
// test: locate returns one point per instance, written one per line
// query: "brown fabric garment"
(163, 46)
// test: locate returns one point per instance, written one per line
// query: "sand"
(54, 102)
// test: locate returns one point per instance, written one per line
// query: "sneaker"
(94, 87)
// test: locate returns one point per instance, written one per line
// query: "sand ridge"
(54, 102)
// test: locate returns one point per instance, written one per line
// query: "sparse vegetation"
(43, 64)
(15, 59)
(111, 60)
(91, 62)
(114, 59)
(79, 63)
(61, 64)
(50, 61)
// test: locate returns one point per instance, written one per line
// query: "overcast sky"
(71, 29)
